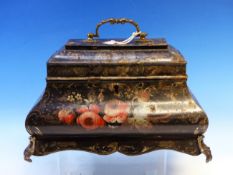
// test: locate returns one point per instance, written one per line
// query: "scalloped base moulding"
(125, 145)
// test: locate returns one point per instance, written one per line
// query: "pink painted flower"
(82, 109)
(92, 107)
(116, 111)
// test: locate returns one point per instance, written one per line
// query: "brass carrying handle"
(141, 35)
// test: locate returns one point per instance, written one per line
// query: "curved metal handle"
(142, 35)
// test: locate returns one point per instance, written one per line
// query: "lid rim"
(79, 44)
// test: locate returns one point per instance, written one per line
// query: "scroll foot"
(204, 148)
(30, 149)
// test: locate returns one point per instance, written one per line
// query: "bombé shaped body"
(129, 98)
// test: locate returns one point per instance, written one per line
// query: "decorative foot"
(204, 148)
(30, 149)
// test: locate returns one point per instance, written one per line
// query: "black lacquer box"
(105, 96)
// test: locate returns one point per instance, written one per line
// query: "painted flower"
(92, 107)
(90, 120)
(116, 111)
(66, 116)
(89, 117)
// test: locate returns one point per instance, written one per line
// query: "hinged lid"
(134, 58)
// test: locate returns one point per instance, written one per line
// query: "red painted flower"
(66, 116)
(90, 120)
(116, 111)
(89, 117)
